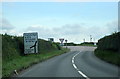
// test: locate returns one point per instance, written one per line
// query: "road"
(79, 62)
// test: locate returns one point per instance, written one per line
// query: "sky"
(60, 0)
(73, 21)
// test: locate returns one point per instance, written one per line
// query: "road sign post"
(30, 43)
(66, 43)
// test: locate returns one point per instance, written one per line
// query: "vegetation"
(70, 44)
(82, 44)
(23, 62)
(87, 44)
(108, 56)
(111, 42)
(109, 48)
(13, 57)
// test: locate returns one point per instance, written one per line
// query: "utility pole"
(84, 40)
(94, 42)
(94, 39)
(90, 38)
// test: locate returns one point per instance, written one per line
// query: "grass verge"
(108, 56)
(22, 62)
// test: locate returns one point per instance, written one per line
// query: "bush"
(45, 46)
(109, 48)
(70, 44)
(13, 46)
(111, 42)
(10, 47)
(108, 56)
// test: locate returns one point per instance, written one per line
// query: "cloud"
(74, 32)
(112, 26)
(6, 25)
(43, 31)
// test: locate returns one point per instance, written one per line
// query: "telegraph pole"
(84, 40)
(90, 38)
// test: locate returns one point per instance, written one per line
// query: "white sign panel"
(30, 43)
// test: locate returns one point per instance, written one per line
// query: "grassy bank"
(13, 57)
(23, 62)
(108, 56)
(108, 48)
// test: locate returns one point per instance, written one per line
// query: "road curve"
(79, 62)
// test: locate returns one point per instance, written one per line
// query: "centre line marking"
(74, 66)
(73, 63)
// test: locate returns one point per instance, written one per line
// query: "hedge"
(111, 42)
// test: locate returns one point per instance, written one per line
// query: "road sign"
(61, 40)
(66, 41)
(30, 43)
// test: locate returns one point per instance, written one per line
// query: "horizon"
(73, 21)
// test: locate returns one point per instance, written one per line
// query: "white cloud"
(43, 31)
(74, 32)
(112, 26)
(6, 25)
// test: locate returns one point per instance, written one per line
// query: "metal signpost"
(66, 43)
(30, 43)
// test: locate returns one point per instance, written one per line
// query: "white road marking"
(82, 73)
(73, 63)
(74, 66)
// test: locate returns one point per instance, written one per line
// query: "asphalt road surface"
(79, 62)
